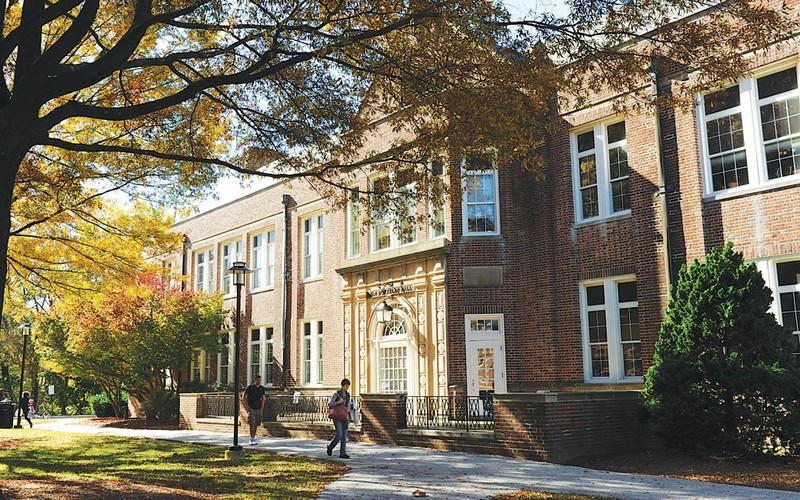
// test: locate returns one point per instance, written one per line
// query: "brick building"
(554, 282)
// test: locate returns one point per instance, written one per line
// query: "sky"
(229, 189)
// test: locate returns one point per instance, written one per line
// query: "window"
(786, 290)
(204, 271)
(751, 131)
(254, 354)
(395, 228)
(610, 318)
(224, 359)
(195, 365)
(601, 172)
(312, 246)
(260, 354)
(393, 356)
(353, 226)
(481, 207)
(436, 213)
(262, 258)
(231, 252)
(200, 366)
(312, 353)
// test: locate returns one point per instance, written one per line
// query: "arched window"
(393, 355)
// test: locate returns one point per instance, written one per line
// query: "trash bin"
(7, 415)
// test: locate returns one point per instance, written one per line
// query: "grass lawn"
(51, 464)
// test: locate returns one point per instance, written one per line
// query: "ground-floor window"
(610, 321)
(783, 277)
(312, 353)
(224, 359)
(393, 355)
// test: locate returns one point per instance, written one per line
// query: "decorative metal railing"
(463, 412)
(298, 408)
(219, 404)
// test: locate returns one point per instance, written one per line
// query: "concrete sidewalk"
(387, 472)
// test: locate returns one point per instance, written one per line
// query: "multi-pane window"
(436, 211)
(789, 299)
(204, 270)
(395, 225)
(312, 353)
(602, 175)
(751, 131)
(224, 359)
(312, 246)
(254, 354)
(393, 356)
(196, 365)
(353, 225)
(269, 360)
(612, 345)
(480, 199)
(231, 252)
(262, 259)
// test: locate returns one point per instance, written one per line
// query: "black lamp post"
(238, 270)
(26, 331)
(383, 312)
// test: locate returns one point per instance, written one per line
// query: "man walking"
(254, 397)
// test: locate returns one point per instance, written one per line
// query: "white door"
(486, 371)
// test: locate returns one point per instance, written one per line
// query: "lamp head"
(239, 270)
(383, 312)
(26, 329)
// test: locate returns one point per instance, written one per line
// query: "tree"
(131, 95)
(723, 375)
(131, 336)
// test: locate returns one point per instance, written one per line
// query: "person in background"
(254, 397)
(340, 398)
(23, 406)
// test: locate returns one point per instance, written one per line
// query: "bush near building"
(723, 376)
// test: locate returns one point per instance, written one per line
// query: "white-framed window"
(394, 228)
(262, 259)
(172, 269)
(436, 212)
(353, 225)
(200, 366)
(393, 364)
(204, 279)
(196, 365)
(783, 278)
(612, 347)
(231, 252)
(312, 353)
(224, 365)
(481, 207)
(750, 131)
(601, 175)
(312, 246)
(260, 354)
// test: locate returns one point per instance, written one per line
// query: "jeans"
(340, 437)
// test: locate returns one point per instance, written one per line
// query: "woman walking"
(24, 407)
(339, 409)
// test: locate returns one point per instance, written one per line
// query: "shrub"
(161, 404)
(102, 407)
(723, 375)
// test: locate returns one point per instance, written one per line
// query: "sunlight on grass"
(544, 495)
(51, 455)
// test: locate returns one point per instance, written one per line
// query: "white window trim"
(250, 344)
(769, 271)
(394, 232)
(229, 345)
(236, 253)
(312, 248)
(265, 255)
(751, 126)
(483, 334)
(203, 365)
(465, 175)
(314, 376)
(616, 362)
(208, 284)
(353, 211)
(605, 195)
(396, 341)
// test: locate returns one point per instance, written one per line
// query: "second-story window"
(394, 223)
(481, 196)
(312, 246)
(601, 172)
(750, 131)
(231, 252)
(204, 270)
(353, 226)
(262, 259)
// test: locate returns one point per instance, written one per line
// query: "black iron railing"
(462, 412)
(299, 408)
(219, 405)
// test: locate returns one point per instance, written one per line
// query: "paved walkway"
(389, 472)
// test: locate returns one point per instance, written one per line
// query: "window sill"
(312, 279)
(263, 289)
(740, 191)
(608, 381)
(599, 220)
(481, 235)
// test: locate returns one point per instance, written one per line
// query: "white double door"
(486, 371)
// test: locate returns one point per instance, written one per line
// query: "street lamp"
(238, 270)
(383, 312)
(26, 331)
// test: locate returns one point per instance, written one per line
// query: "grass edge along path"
(62, 465)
